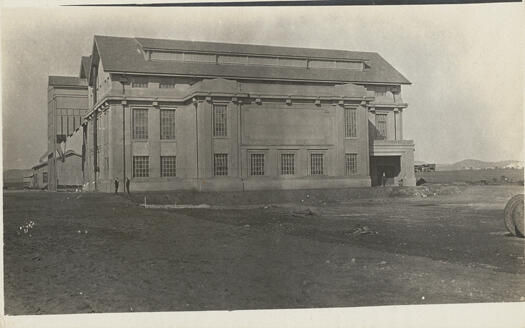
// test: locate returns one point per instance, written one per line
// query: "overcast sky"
(464, 61)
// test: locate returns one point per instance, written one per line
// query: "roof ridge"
(254, 44)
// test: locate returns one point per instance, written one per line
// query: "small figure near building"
(383, 179)
(116, 185)
(127, 184)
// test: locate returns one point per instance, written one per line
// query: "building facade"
(67, 105)
(182, 115)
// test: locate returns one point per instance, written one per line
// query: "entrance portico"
(395, 158)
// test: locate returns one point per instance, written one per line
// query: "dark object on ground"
(420, 181)
(303, 213)
(513, 216)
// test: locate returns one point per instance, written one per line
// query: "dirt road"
(89, 252)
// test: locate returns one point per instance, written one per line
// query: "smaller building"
(40, 176)
(425, 168)
(67, 104)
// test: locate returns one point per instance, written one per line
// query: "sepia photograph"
(229, 161)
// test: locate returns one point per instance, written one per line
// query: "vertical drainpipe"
(95, 146)
(124, 80)
(197, 135)
(239, 134)
(124, 103)
(84, 142)
(95, 113)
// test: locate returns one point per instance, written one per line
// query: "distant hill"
(474, 164)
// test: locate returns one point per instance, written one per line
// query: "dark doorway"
(390, 165)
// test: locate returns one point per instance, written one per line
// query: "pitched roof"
(85, 62)
(125, 55)
(67, 81)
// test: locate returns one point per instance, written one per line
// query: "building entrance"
(389, 165)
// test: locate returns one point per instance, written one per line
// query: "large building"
(190, 115)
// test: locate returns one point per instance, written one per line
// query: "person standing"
(127, 184)
(383, 179)
(116, 185)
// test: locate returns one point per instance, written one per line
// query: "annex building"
(67, 106)
(191, 115)
(61, 165)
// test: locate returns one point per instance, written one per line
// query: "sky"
(465, 63)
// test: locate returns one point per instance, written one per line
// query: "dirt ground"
(92, 252)
(493, 176)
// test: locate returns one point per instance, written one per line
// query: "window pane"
(356, 66)
(140, 166)
(139, 82)
(156, 55)
(168, 166)
(167, 124)
(321, 64)
(316, 162)
(227, 59)
(263, 61)
(167, 84)
(219, 121)
(220, 164)
(257, 164)
(287, 164)
(381, 126)
(350, 123)
(350, 164)
(204, 58)
(292, 62)
(140, 123)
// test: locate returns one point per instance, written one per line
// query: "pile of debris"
(424, 191)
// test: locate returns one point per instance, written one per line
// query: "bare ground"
(90, 252)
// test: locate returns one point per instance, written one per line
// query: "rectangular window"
(227, 59)
(263, 61)
(167, 124)
(168, 166)
(287, 62)
(256, 164)
(156, 55)
(321, 64)
(140, 166)
(167, 84)
(140, 123)
(220, 164)
(287, 164)
(381, 126)
(202, 58)
(316, 164)
(139, 83)
(44, 177)
(355, 66)
(351, 164)
(380, 91)
(350, 123)
(219, 121)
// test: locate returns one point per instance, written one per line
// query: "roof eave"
(112, 71)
